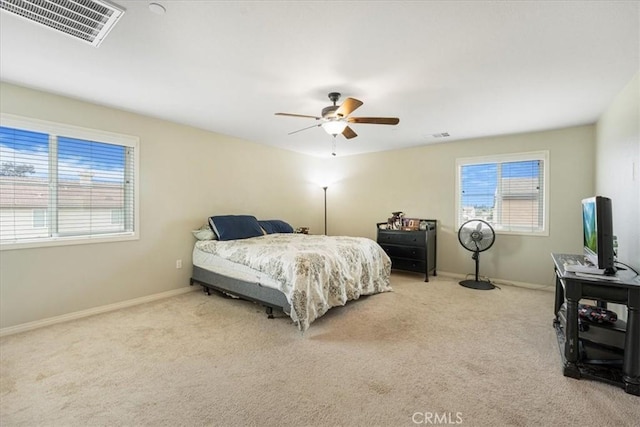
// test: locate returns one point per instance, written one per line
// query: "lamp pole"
(325, 209)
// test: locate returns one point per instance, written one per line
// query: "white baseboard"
(92, 311)
(499, 282)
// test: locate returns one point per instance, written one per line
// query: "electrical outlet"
(179, 263)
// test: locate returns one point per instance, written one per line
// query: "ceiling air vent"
(87, 20)
(440, 135)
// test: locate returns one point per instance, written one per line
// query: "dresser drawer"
(409, 265)
(408, 238)
(413, 252)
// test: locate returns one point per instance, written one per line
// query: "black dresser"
(411, 250)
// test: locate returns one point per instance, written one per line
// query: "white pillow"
(204, 233)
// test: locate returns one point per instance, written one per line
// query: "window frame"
(542, 155)
(93, 135)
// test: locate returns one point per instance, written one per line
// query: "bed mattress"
(315, 273)
(228, 268)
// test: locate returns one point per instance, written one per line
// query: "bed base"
(251, 291)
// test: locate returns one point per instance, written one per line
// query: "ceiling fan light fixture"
(334, 127)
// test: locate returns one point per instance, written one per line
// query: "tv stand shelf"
(606, 353)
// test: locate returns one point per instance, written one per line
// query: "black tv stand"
(610, 353)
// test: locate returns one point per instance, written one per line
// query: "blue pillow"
(267, 226)
(233, 227)
(275, 226)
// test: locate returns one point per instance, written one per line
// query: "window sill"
(67, 241)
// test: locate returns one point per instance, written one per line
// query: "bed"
(302, 275)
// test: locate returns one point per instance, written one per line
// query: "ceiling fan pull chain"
(333, 146)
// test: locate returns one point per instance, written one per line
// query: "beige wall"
(186, 174)
(617, 164)
(421, 182)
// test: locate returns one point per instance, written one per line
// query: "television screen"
(597, 227)
(589, 226)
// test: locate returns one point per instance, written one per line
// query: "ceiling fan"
(335, 119)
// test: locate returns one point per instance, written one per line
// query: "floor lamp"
(325, 209)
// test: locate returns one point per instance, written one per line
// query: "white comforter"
(315, 272)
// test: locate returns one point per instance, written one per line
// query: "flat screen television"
(597, 226)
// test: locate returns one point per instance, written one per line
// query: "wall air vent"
(87, 20)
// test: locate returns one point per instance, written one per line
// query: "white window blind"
(61, 184)
(507, 191)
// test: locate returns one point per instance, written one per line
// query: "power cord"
(487, 279)
(534, 288)
(628, 266)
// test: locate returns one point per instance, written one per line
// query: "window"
(507, 191)
(117, 216)
(65, 185)
(39, 218)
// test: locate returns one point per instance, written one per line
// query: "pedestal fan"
(476, 236)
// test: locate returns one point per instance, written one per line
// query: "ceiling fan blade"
(375, 120)
(300, 130)
(298, 115)
(348, 106)
(349, 133)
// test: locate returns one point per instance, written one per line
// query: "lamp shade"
(334, 127)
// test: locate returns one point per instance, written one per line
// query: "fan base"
(477, 284)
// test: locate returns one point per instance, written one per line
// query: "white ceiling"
(469, 68)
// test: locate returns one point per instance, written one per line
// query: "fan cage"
(467, 231)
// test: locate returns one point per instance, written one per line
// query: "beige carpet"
(478, 358)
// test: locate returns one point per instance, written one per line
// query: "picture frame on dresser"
(410, 224)
(411, 250)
